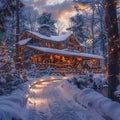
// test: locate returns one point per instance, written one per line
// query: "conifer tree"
(77, 27)
(7, 8)
(46, 21)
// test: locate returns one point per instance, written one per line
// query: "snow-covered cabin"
(63, 51)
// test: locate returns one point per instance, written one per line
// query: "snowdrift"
(106, 107)
(11, 106)
(93, 100)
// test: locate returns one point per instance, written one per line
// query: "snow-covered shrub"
(1, 91)
(89, 80)
(9, 74)
(117, 92)
(34, 72)
(9, 82)
(99, 80)
(2, 80)
(79, 81)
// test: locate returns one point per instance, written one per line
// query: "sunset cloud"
(61, 10)
(55, 7)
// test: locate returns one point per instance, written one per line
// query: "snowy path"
(48, 102)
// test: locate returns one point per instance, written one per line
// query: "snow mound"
(94, 101)
(101, 104)
(117, 92)
(8, 113)
(11, 106)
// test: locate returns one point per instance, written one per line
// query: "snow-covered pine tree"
(77, 27)
(46, 24)
(100, 11)
(95, 22)
(9, 76)
(7, 9)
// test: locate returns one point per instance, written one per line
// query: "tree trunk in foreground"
(17, 26)
(113, 46)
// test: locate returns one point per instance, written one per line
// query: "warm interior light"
(79, 59)
(57, 56)
(92, 61)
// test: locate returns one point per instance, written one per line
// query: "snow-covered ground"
(95, 101)
(53, 98)
(48, 101)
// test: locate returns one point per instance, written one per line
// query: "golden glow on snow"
(45, 83)
(35, 101)
(41, 80)
(36, 91)
(35, 97)
(52, 78)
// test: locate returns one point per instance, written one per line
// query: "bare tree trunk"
(17, 33)
(113, 48)
(92, 27)
(17, 22)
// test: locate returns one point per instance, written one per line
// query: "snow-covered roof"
(63, 52)
(1, 57)
(45, 25)
(52, 38)
(23, 42)
(82, 44)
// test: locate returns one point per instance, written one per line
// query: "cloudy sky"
(61, 10)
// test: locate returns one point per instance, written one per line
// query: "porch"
(65, 61)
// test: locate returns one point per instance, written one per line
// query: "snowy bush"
(9, 76)
(89, 80)
(117, 92)
(2, 80)
(9, 82)
(1, 91)
(99, 81)
(78, 81)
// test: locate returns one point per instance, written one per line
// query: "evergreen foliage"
(7, 9)
(77, 27)
(47, 23)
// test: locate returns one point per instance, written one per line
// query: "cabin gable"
(73, 44)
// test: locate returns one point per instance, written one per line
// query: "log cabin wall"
(78, 64)
(24, 36)
(73, 44)
(38, 57)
